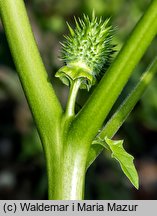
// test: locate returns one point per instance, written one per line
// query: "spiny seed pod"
(87, 52)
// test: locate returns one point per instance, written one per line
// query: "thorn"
(93, 15)
(70, 29)
(62, 44)
(77, 24)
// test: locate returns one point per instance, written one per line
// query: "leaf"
(125, 159)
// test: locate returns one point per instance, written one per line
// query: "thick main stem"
(69, 184)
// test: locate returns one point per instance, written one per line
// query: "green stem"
(43, 102)
(69, 184)
(122, 113)
(74, 87)
(104, 96)
(124, 110)
(37, 87)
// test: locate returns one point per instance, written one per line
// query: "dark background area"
(22, 164)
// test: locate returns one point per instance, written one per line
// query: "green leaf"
(125, 159)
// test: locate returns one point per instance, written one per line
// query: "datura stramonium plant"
(87, 52)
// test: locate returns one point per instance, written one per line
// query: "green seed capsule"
(87, 52)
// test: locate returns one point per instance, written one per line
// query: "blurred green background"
(22, 164)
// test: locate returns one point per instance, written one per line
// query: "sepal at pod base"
(87, 52)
